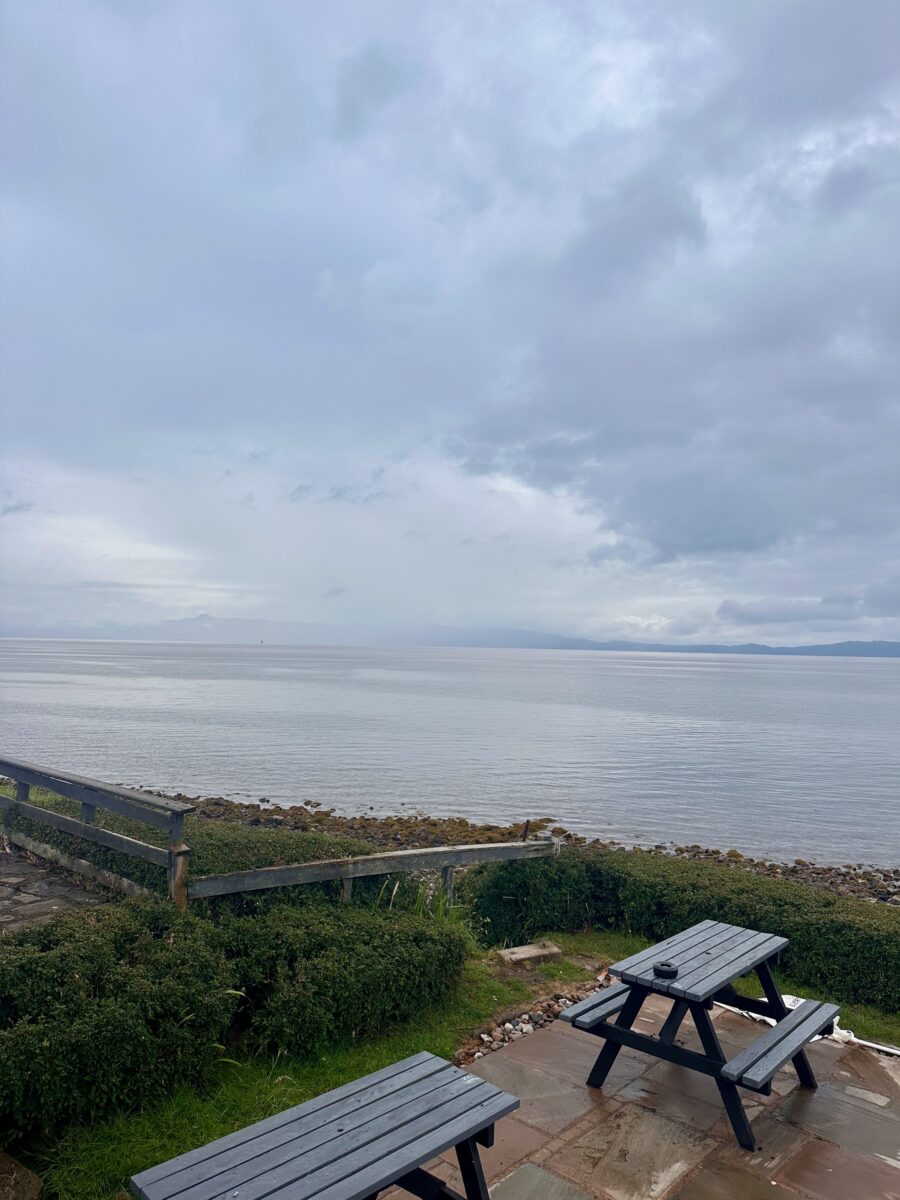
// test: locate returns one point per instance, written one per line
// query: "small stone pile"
(540, 1013)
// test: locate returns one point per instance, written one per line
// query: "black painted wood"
(709, 956)
(759, 1062)
(348, 1144)
(603, 1004)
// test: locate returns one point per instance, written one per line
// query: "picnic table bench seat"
(348, 1144)
(755, 1066)
(598, 1007)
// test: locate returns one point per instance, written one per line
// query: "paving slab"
(877, 1073)
(722, 1182)
(629, 1153)
(848, 1121)
(534, 1183)
(676, 1093)
(513, 1142)
(30, 893)
(547, 1102)
(825, 1172)
(570, 1053)
(777, 1142)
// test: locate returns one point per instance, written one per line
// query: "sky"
(561, 316)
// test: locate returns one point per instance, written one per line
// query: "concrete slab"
(570, 1053)
(848, 1121)
(722, 1182)
(777, 1143)
(548, 1103)
(825, 1172)
(628, 1153)
(675, 1093)
(531, 955)
(534, 1183)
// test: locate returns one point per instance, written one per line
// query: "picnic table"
(694, 969)
(348, 1144)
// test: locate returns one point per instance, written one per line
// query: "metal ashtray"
(665, 969)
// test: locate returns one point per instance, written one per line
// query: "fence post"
(88, 812)
(346, 890)
(179, 857)
(447, 881)
(23, 791)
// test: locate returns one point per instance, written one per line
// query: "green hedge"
(109, 1008)
(101, 1010)
(320, 975)
(847, 947)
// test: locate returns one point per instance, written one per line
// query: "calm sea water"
(778, 756)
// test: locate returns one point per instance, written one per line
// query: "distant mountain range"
(239, 630)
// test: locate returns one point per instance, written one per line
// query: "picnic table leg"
(610, 1051)
(727, 1090)
(779, 1011)
(673, 1022)
(470, 1169)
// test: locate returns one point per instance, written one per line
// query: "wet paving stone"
(848, 1121)
(723, 1182)
(30, 893)
(629, 1153)
(534, 1183)
(825, 1172)
(547, 1102)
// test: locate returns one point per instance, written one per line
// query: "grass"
(95, 1162)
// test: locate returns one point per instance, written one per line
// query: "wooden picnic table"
(348, 1144)
(694, 969)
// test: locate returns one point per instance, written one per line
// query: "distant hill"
(241, 631)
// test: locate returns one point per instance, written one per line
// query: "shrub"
(109, 1008)
(319, 975)
(103, 1009)
(847, 947)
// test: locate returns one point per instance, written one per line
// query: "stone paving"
(30, 893)
(656, 1131)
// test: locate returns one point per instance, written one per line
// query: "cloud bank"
(529, 315)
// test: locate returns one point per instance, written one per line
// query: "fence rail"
(91, 794)
(169, 815)
(442, 858)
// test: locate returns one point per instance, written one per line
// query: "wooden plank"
(761, 1072)
(317, 1105)
(109, 879)
(697, 962)
(86, 795)
(305, 1154)
(602, 1000)
(370, 864)
(91, 833)
(759, 1061)
(348, 1112)
(387, 1149)
(422, 1144)
(744, 959)
(49, 778)
(633, 968)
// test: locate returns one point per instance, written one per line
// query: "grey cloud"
(785, 610)
(639, 262)
(333, 593)
(12, 507)
(368, 81)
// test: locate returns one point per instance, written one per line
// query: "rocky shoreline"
(875, 884)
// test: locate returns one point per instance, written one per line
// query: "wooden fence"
(170, 814)
(91, 794)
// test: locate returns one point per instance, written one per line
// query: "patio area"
(658, 1131)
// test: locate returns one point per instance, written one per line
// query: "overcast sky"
(568, 316)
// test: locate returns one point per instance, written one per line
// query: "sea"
(777, 757)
